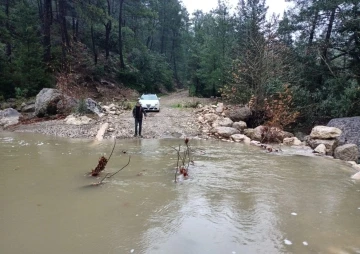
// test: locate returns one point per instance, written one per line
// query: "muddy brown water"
(238, 199)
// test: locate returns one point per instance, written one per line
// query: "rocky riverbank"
(183, 116)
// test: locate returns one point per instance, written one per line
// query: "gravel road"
(174, 120)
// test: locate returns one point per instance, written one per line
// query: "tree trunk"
(324, 57)
(107, 32)
(313, 27)
(173, 56)
(328, 35)
(74, 26)
(163, 39)
(121, 54)
(8, 44)
(63, 26)
(47, 30)
(93, 45)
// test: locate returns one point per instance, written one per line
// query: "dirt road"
(174, 120)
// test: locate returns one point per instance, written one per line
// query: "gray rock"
(270, 134)
(250, 132)
(225, 131)
(241, 138)
(9, 112)
(294, 141)
(241, 125)
(350, 127)
(356, 176)
(239, 114)
(46, 102)
(66, 104)
(211, 117)
(28, 108)
(226, 122)
(9, 117)
(330, 144)
(220, 108)
(93, 106)
(321, 149)
(325, 132)
(348, 152)
(32, 101)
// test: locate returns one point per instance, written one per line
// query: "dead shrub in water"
(102, 163)
(183, 160)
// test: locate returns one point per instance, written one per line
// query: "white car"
(150, 102)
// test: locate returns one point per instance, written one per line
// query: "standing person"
(138, 113)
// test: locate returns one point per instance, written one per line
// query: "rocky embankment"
(182, 116)
(229, 124)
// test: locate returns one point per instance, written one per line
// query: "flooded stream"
(238, 199)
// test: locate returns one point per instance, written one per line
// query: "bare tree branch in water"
(102, 162)
(108, 175)
(185, 160)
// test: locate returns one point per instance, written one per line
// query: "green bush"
(81, 107)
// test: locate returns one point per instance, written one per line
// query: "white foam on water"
(23, 143)
(287, 242)
(294, 214)
(8, 139)
(132, 250)
(305, 243)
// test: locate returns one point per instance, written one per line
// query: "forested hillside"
(303, 67)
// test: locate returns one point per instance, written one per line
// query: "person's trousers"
(138, 121)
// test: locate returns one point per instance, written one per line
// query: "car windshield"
(149, 97)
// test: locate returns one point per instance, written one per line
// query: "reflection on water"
(238, 199)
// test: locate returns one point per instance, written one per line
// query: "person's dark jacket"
(138, 112)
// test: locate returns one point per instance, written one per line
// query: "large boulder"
(348, 152)
(28, 108)
(240, 138)
(321, 149)
(225, 131)
(270, 134)
(225, 122)
(93, 106)
(294, 141)
(241, 125)
(325, 132)
(350, 127)
(249, 132)
(9, 117)
(330, 144)
(239, 114)
(210, 117)
(66, 104)
(9, 112)
(46, 102)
